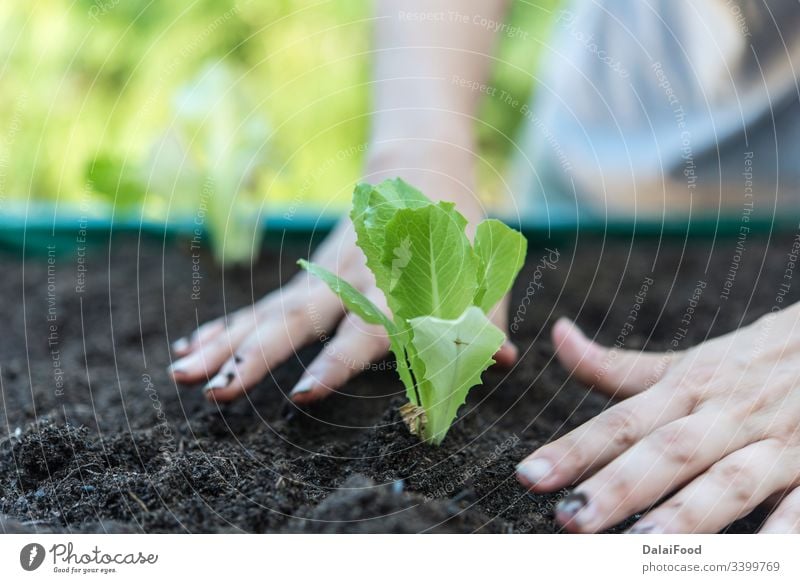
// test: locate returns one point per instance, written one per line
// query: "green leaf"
(400, 193)
(172, 173)
(117, 181)
(501, 253)
(373, 208)
(352, 299)
(455, 353)
(229, 144)
(432, 268)
(362, 307)
(438, 288)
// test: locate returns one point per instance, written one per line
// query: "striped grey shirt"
(665, 107)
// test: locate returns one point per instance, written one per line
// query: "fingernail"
(564, 321)
(574, 508)
(646, 528)
(175, 370)
(535, 470)
(180, 345)
(304, 386)
(180, 365)
(218, 382)
(578, 330)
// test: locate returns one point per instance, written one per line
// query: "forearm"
(423, 116)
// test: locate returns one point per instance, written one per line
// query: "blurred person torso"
(665, 108)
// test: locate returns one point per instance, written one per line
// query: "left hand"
(715, 427)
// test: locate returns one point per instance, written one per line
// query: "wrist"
(442, 170)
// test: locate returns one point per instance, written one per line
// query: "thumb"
(616, 372)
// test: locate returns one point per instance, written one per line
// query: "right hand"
(237, 350)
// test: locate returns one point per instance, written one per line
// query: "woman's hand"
(237, 350)
(715, 428)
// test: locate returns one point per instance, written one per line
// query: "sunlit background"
(134, 108)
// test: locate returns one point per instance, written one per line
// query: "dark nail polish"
(572, 504)
(288, 411)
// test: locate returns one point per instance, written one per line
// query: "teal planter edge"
(40, 231)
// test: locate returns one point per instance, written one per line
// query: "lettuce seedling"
(439, 287)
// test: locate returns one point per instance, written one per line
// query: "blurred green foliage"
(94, 106)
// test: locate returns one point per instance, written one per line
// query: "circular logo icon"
(31, 556)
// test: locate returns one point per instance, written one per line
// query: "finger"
(212, 329)
(730, 489)
(649, 470)
(614, 371)
(598, 441)
(214, 345)
(355, 346)
(786, 517)
(508, 354)
(183, 346)
(272, 343)
(772, 502)
(266, 348)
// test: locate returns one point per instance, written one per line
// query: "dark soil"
(120, 448)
